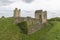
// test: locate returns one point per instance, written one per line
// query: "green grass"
(10, 31)
(54, 33)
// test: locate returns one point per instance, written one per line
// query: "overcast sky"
(28, 7)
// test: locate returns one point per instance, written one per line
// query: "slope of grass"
(10, 31)
(54, 33)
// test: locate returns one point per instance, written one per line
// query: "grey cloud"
(5, 2)
(28, 1)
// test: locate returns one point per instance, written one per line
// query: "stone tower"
(38, 13)
(41, 15)
(16, 12)
(16, 15)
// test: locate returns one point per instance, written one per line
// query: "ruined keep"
(33, 24)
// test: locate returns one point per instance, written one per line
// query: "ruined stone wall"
(33, 24)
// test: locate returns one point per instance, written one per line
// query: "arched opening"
(40, 17)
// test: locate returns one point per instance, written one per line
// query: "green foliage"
(2, 17)
(54, 19)
(23, 27)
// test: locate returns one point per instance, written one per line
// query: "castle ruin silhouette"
(34, 24)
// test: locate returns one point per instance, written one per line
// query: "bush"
(2, 17)
(23, 27)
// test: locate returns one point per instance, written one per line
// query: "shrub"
(23, 26)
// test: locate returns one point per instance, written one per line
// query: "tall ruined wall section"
(41, 15)
(16, 15)
(16, 12)
(44, 17)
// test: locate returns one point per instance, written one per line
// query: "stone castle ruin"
(33, 24)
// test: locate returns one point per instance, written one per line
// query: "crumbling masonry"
(34, 24)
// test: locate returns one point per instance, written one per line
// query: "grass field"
(10, 31)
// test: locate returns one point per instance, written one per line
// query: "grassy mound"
(10, 31)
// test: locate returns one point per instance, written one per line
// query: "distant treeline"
(54, 19)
